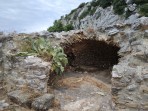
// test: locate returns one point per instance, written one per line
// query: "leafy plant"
(144, 9)
(59, 60)
(42, 48)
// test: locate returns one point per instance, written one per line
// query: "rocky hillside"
(105, 13)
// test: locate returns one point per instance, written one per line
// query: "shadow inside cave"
(92, 54)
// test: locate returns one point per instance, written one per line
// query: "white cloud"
(33, 15)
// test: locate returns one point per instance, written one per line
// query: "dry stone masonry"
(129, 76)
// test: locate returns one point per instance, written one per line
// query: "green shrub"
(42, 48)
(59, 60)
(119, 6)
(140, 1)
(57, 27)
(101, 3)
(68, 27)
(144, 9)
(95, 3)
(81, 5)
(104, 3)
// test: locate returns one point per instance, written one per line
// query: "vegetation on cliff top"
(58, 27)
(90, 8)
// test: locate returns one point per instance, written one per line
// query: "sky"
(33, 15)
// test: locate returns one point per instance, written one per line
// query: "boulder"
(3, 105)
(20, 97)
(43, 103)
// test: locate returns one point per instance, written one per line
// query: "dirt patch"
(84, 91)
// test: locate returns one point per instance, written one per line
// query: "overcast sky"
(33, 15)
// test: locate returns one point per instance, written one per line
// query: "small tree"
(68, 27)
(57, 26)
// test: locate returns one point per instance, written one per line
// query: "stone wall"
(129, 76)
(21, 72)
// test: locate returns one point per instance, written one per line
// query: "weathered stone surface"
(144, 89)
(146, 34)
(132, 105)
(31, 71)
(144, 21)
(145, 76)
(113, 32)
(43, 103)
(3, 105)
(132, 87)
(132, 7)
(20, 97)
(115, 74)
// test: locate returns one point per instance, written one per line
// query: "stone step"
(32, 100)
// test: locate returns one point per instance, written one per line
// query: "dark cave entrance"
(92, 53)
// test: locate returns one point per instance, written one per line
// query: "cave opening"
(92, 53)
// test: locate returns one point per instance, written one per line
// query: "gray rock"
(43, 103)
(146, 34)
(144, 21)
(3, 105)
(1, 45)
(113, 32)
(132, 87)
(21, 98)
(132, 19)
(145, 76)
(131, 7)
(115, 74)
